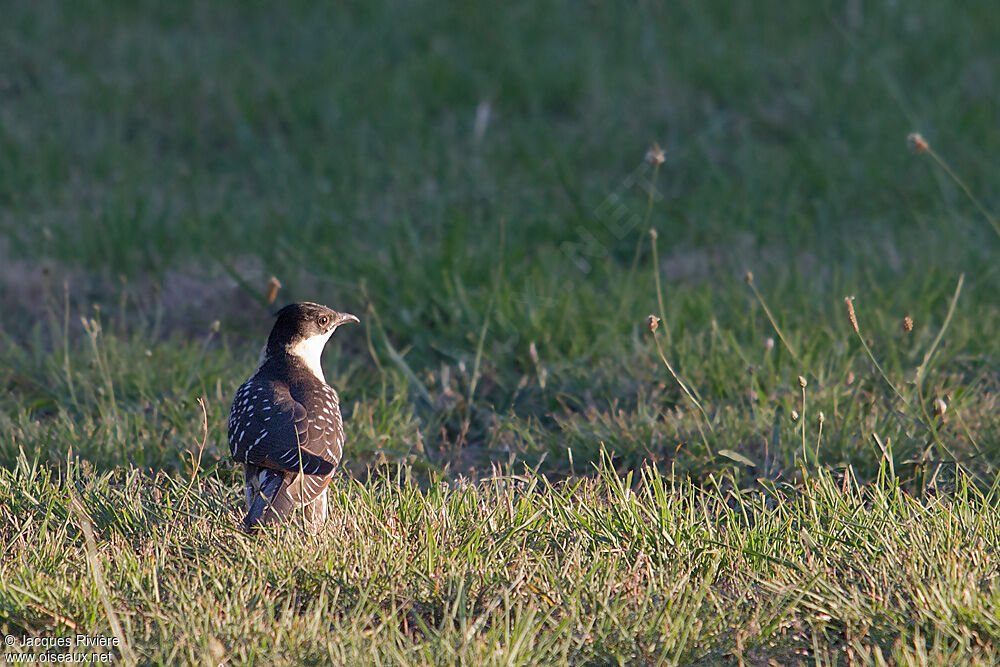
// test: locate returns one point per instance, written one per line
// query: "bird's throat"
(310, 352)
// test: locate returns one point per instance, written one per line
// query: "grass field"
(530, 476)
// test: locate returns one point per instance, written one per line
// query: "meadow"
(797, 466)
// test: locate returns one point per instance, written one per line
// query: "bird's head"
(301, 330)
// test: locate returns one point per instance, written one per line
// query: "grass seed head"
(907, 324)
(849, 300)
(655, 155)
(802, 381)
(769, 344)
(271, 291)
(749, 277)
(653, 321)
(916, 142)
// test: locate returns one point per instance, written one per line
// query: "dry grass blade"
(653, 322)
(128, 656)
(920, 145)
(659, 290)
(922, 370)
(852, 316)
(770, 317)
(655, 156)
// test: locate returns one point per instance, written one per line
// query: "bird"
(285, 425)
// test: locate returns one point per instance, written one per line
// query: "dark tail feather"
(311, 463)
(315, 465)
(264, 497)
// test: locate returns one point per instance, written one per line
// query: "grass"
(472, 182)
(515, 570)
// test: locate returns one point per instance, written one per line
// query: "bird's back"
(286, 428)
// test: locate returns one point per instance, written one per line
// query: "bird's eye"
(323, 320)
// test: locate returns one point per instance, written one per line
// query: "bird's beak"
(344, 318)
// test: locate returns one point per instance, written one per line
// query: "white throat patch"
(310, 351)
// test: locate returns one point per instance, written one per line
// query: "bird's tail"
(265, 490)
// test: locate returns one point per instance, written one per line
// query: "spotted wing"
(270, 429)
(324, 431)
(324, 424)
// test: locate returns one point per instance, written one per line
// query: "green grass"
(471, 182)
(514, 570)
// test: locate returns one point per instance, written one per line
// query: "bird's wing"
(324, 424)
(269, 428)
